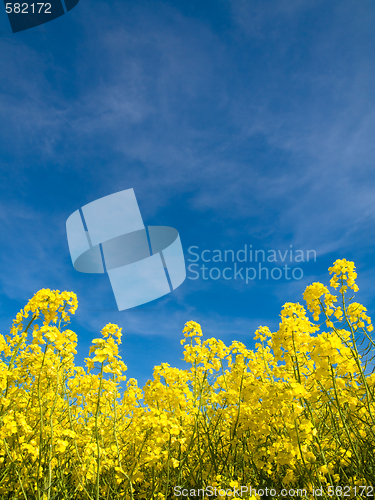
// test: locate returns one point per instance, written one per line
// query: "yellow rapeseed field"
(296, 413)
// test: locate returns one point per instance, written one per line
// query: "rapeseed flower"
(295, 413)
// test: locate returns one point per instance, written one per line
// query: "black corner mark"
(27, 14)
(69, 4)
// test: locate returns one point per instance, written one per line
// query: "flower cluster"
(297, 412)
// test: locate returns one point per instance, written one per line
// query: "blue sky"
(236, 122)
